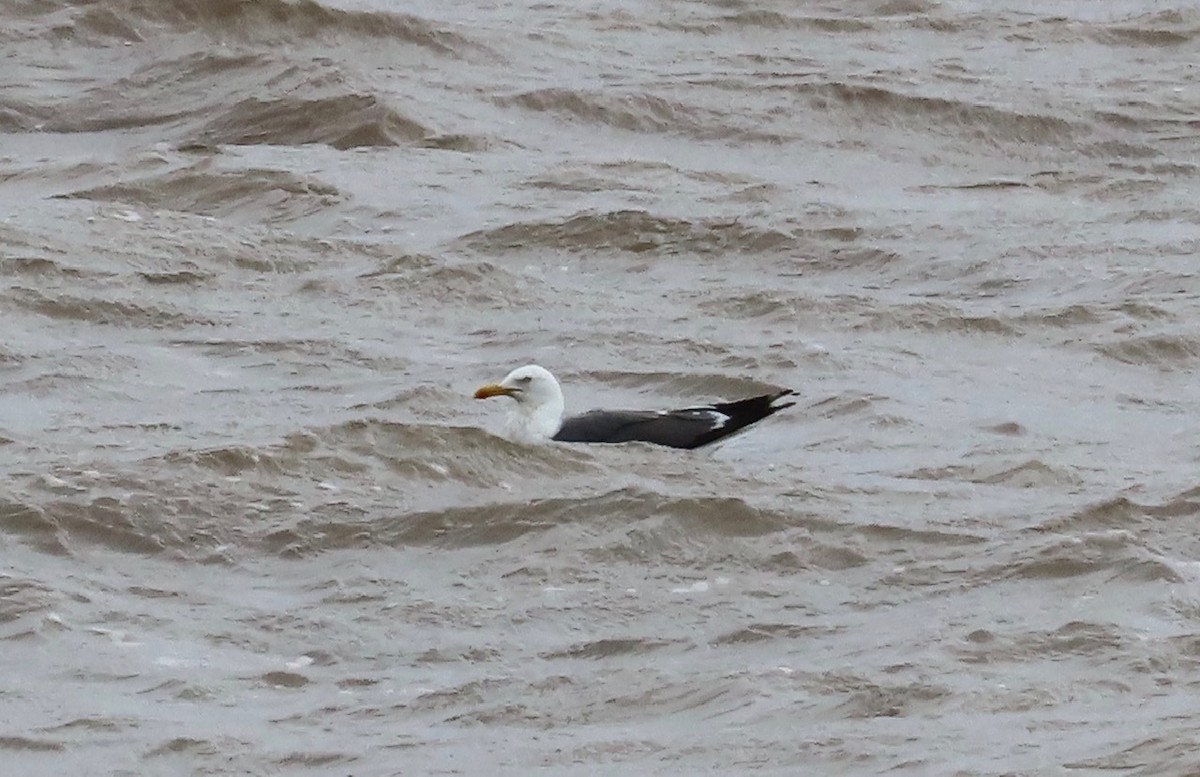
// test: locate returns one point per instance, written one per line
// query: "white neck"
(535, 423)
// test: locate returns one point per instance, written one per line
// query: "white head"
(537, 415)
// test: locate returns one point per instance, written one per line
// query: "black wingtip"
(773, 398)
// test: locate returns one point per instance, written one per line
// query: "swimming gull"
(537, 415)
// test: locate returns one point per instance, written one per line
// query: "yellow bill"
(494, 390)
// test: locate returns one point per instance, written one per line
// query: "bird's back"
(686, 428)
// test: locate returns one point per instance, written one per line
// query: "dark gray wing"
(687, 428)
(678, 429)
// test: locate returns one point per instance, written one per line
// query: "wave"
(1163, 29)
(108, 312)
(1091, 315)
(1027, 474)
(639, 112)
(261, 21)
(1164, 351)
(1116, 513)
(31, 744)
(342, 121)
(875, 105)
(609, 647)
(408, 455)
(1113, 554)
(631, 231)
(1121, 513)
(1074, 638)
(658, 700)
(775, 20)
(935, 317)
(38, 267)
(54, 526)
(162, 94)
(31, 522)
(660, 523)
(251, 195)
(205, 99)
(763, 632)
(303, 492)
(18, 115)
(477, 285)
(867, 699)
(1113, 539)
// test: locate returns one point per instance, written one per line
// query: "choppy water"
(255, 257)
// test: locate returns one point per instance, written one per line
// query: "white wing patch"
(714, 418)
(718, 419)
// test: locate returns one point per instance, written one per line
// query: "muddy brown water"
(255, 257)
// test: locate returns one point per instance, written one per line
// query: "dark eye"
(524, 381)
